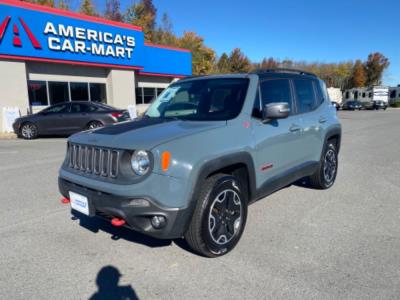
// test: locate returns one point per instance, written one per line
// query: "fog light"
(158, 222)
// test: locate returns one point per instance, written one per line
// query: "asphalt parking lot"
(298, 244)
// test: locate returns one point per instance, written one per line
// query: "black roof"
(284, 70)
(260, 73)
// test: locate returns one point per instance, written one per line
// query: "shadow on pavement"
(96, 224)
(108, 288)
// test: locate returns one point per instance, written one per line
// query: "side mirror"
(274, 111)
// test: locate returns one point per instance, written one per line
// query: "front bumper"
(16, 127)
(108, 206)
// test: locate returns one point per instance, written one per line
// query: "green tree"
(42, 2)
(88, 8)
(239, 63)
(223, 65)
(63, 4)
(164, 33)
(113, 11)
(143, 14)
(358, 77)
(374, 67)
(203, 58)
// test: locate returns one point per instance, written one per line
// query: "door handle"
(322, 120)
(294, 128)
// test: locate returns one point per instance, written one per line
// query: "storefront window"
(37, 91)
(148, 94)
(159, 91)
(79, 91)
(139, 95)
(58, 92)
(98, 92)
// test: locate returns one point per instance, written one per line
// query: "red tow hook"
(65, 200)
(118, 222)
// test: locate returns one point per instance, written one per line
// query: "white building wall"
(13, 87)
(121, 88)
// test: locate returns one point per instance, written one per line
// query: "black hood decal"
(128, 126)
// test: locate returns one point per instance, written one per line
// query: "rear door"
(279, 145)
(79, 115)
(312, 114)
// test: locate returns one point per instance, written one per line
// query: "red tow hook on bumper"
(65, 200)
(118, 222)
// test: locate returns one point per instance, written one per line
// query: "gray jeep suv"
(206, 148)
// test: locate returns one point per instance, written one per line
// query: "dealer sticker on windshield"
(79, 203)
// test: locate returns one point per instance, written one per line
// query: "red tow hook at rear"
(65, 200)
(118, 222)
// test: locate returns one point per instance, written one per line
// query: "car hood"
(143, 133)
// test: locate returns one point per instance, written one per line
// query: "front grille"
(93, 160)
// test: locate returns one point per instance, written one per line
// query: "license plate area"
(80, 203)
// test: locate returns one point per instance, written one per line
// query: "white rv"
(335, 94)
(367, 95)
(394, 94)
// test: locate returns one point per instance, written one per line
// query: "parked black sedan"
(379, 105)
(67, 118)
(335, 105)
(352, 105)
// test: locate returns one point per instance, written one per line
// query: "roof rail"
(286, 70)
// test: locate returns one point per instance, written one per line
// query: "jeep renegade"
(206, 148)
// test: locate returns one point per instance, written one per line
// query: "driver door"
(52, 120)
(279, 142)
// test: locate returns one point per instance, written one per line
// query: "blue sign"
(32, 32)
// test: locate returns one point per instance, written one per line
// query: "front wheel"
(325, 176)
(29, 131)
(219, 217)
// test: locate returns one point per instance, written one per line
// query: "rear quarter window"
(305, 95)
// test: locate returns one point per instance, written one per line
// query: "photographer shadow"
(108, 288)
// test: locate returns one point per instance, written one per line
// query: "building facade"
(48, 56)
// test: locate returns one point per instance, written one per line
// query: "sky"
(311, 30)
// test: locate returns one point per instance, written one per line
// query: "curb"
(8, 136)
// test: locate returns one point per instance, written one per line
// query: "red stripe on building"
(3, 27)
(34, 41)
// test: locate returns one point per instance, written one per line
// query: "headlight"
(140, 162)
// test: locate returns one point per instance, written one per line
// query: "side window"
(276, 90)
(305, 95)
(257, 108)
(79, 108)
(62, 108)
(322, 92)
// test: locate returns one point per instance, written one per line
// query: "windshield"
(201, 100)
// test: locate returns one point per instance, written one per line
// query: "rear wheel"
(94, 125)
(29, 131)
(325, 176)
(219, 217)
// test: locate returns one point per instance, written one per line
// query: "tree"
(88, 8)
(113, 11)
(239, 63)
(203, 58)
(374, 67)
(143, 14)
(164, 33)
(223, 64)
(42, 2)
(63, 4)
(358, 77)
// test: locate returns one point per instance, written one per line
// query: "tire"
(325, 176)
(219, 217)
(94, 125)
(28, 131)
